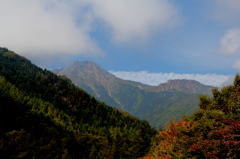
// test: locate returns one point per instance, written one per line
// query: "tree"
(213, 131)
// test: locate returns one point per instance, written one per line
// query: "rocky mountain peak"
(86, 65)
(86, 70)
(135, 97)
(184, 85)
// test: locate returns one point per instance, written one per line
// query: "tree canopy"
(213, 131)
(43, 115)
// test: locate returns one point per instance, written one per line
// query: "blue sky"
(181, 37)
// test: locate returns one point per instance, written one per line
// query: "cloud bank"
(43, 28)
(52, 28)
(155, 79)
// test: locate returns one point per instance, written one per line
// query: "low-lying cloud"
(155, 79)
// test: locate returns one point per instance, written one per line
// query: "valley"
(156, 104)
(44, 115)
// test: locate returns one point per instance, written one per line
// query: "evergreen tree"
(46, 116)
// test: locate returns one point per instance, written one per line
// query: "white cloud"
(135, 20)
(158, 78)
(230, 42)
(43, 28)
(230, 46)
(54, 28)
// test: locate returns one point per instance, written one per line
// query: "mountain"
(187, 86)
(43, 115)
(211, 132)
(156, 104)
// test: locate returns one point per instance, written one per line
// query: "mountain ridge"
(91, 68)
(134, 97)
(186, 85)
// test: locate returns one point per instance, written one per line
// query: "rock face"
(157, 104)
(187, 86)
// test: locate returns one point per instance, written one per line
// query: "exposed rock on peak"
(184, 85)
(86, 70)
(157, 104)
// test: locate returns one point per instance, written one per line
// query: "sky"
(143, 40)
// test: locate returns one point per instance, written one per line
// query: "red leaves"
(223, 142)
(181, 139)
(212, 132)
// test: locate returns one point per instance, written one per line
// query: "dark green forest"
(43, 115)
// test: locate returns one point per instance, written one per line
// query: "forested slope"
(213, 131)
(156, 104)
(46, 116)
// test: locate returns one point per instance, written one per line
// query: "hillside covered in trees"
(156, 104)
(212, 132)
(43, 115)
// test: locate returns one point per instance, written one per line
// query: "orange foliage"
(172, 140)
(166, 157)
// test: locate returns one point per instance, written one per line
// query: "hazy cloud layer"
(52, 28)
(226, 11)
(157, 78)
(236, 64)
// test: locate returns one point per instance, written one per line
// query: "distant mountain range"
(156, 104)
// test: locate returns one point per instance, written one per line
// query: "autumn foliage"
(212, 132)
